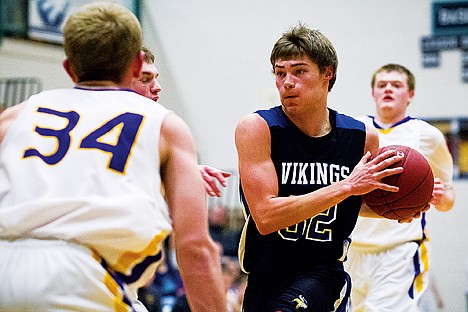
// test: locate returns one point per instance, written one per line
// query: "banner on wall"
(449, 32)
(46, 18)
(450, 17)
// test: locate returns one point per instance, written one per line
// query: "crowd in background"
(165, 292)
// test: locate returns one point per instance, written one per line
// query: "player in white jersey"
(388, 261)
(82, 217)
(148, 86)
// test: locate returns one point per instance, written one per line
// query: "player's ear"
(137, 63)
(328, 73)
(411, 96)
(70, 71)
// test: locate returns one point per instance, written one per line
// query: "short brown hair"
(148, 55)
(300, 41)
(100, 41)
(410, 81)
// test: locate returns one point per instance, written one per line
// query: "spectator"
(221, 231)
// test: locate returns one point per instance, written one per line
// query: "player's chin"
(290, 106)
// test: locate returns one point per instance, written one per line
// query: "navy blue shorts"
(321, 289)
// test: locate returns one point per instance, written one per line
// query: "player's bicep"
(372, 140)
(256, 168)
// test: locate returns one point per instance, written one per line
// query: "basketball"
(415, 184)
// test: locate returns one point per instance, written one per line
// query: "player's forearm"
(282, 212)
(200, 268)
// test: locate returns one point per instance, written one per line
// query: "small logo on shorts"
(300, 302)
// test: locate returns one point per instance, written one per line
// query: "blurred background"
(213, 61)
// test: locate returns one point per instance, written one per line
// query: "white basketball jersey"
(82, 165)
(429, 141)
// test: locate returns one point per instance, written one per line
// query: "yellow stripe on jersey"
(385, 131)
(419, 280)
(130, 259)
(111, 284)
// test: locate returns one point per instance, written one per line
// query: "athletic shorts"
(389, 280)
(324, 289)
(53, 275)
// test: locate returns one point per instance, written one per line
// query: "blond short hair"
(100, 41)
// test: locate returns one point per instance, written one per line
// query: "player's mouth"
(290, 96)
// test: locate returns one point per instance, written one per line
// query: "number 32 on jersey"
(316, 228)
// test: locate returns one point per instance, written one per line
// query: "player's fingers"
(405, 220)
(388, 172)
(408, 220)
(365, 158)
(219, 175)
(386, 159)
(426, 208)
(221, 172)
(226, 174)
(382, 156)
(211, 188)
(388, 187)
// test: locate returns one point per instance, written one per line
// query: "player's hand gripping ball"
(415, 183)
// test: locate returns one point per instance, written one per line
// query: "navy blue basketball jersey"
(304, 164)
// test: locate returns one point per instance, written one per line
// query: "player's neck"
(386, 123)
(314, 125)
(98, 84)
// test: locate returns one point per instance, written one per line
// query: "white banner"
(47, 17)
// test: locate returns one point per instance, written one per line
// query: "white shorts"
(390, 280)
(52, 275)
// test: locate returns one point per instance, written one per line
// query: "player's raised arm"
(197, 255)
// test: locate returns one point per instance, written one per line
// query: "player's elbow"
(264, 229)
(264, 225)
(266, 217)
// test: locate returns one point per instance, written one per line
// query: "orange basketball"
(415, 183)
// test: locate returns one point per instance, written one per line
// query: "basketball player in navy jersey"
(303, 167)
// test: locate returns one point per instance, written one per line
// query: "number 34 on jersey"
(115, 137)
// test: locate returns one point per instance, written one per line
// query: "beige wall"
(22, 58)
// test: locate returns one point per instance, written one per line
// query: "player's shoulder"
(347, 121)
(425, 127)
(251, 124)
(274, 116)
(259, 119)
